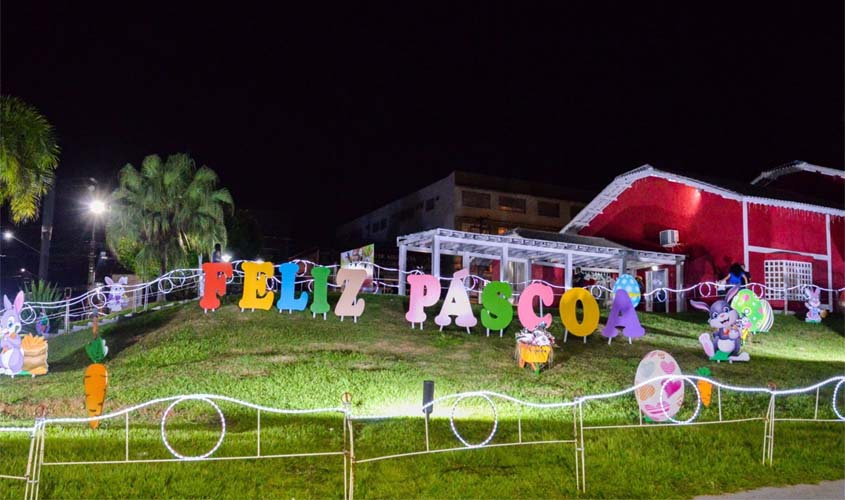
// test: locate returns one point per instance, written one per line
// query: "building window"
(574, 210)
(382, 224)
(475, 199)
(429, 204)
(511, 204)
(405, 214)
(779, 275)
(548, 209)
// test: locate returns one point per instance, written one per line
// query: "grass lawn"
(294, 361)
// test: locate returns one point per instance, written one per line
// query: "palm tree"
(165, 212)
(28, 158)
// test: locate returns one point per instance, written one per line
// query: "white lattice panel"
(785, 274)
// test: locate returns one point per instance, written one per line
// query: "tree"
(164, 213)
(28, 158)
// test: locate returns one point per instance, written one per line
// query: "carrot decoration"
(96, 375)
(705, 388)
(96, 380)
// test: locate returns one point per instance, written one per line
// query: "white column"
(465, 261)
(623, 266)
(503, 265)
(435, 256)
(567, 274)
(829, 263)
(745, 234)
(526, 272)
(679, 283)
(403, 265)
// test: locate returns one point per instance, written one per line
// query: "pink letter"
(525, 307)
(425, 291)
(456, 304)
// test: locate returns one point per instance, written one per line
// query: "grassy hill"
(294, 361)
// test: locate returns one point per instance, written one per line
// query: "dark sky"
(308, 111)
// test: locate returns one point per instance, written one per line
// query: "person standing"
(217, 254)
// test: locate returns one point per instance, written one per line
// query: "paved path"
(834, 490)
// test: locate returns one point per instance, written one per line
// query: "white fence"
(38, 431)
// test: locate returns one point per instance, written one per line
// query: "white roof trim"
(622, 182)
(490, 245)
(797, 166)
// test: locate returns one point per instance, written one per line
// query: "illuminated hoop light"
(661, 298)
(495, 421)
(708, 293)
(164, 430)
(835, 394)
(697, 402)
(757, 286)
(33, 315)
(162, 289)
(97, 299)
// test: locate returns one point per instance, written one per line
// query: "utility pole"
(46, 231)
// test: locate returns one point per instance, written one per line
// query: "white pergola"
(560, 250)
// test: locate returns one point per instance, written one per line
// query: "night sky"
(308, 111)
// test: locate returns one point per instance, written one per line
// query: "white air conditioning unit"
(669, 238)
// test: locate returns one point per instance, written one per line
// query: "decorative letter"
(256, 295)
(570, 317)
(320, 304)
(456, 304)
(525, 307)
(622, 315)
(497, 313)
(287, 272)
(214, 276)
(349, 303)
(425, 291)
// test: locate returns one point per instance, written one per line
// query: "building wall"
(709, 226)
(430, 207)
(499, 217)
(710, 231)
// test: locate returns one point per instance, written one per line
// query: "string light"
(164, 430)
(492, 432)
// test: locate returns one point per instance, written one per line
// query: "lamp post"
(8, 235)
(97, 207)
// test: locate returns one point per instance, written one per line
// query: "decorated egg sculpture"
(659, 364)
(628, 284)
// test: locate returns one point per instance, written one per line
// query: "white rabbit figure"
(813, 305)
(115, 300)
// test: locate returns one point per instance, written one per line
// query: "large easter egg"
(658, 364)
(628, 284)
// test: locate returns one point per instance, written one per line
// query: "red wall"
(709, 226)
(786, 229)
(710, 230)
(837, 250)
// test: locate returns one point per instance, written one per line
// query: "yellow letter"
(256, 294)
(568, 314)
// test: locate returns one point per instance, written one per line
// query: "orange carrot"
(705, 388)
(96, 380)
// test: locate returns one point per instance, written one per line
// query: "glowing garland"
(697, 402)
(458, 397)
(492, 432)
(164, 430)
(181, 279)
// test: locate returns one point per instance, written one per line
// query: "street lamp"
(97, 207)
(8, 235)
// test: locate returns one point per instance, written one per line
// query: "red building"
(787, 227)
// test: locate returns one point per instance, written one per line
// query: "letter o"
(569, 316)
